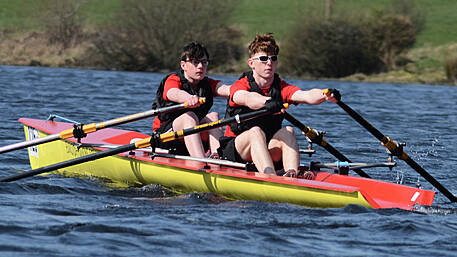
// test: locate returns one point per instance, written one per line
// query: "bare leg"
(284, 145)
(193, 142)
(213, 134)
(252, 146)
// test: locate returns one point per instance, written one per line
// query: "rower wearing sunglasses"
(263, 140)
(189, 85)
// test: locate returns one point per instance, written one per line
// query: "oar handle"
(201, 100)
(173, 135)
(336, 94)
(327, 92)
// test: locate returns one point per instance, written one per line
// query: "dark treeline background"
(148, 35)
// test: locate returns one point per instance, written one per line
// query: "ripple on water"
(57, 216)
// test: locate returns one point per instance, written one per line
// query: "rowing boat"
(141, 167)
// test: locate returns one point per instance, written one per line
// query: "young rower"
(263, 140)
(186, 86)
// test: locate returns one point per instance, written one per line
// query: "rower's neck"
(191, 81)
(263, 82)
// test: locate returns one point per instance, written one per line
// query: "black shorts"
(176, 146)
(227, 151)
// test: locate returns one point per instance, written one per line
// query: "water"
(58, 216)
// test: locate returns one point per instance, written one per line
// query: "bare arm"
(314, 96)
(252, 100)
(181, 96)
(222, 90)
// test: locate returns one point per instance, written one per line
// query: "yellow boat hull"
(137, 169)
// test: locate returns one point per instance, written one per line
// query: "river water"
(58, 216)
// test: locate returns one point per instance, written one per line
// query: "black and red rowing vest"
(202, 89)
(270, 124)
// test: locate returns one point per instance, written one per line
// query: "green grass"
(259, 16)
(99, 11)
(17, 14)
(255, 16)
(441, 22)
(277, 16)
(23, 15)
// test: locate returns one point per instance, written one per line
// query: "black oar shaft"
(71, 162)
(312, 136)
(146, 142)
(170, 136)
(389, 144)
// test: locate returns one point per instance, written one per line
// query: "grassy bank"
(21, 42)
(257, 15)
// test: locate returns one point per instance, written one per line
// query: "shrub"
(62, 22)
(149, 35)
(408, 8)
(392, 31)
(327, 48)
(390, 35)
(344, 44)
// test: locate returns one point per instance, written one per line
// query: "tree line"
(148, 36)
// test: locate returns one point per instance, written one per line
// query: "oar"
(395, 149)
(164, 137)
(315, 138)
(89, 128)
(351, 166)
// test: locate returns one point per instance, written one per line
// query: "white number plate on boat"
(33, 134)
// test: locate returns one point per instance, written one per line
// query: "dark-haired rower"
(186, 86)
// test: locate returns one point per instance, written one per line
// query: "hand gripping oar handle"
(89, 128)
(146, 142)
(315, 138)
(395, 149)
(170, 136)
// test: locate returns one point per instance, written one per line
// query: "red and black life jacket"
(270, 124)
(203, 89)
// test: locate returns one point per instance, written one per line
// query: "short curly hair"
(263, 43)
(194, 50)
